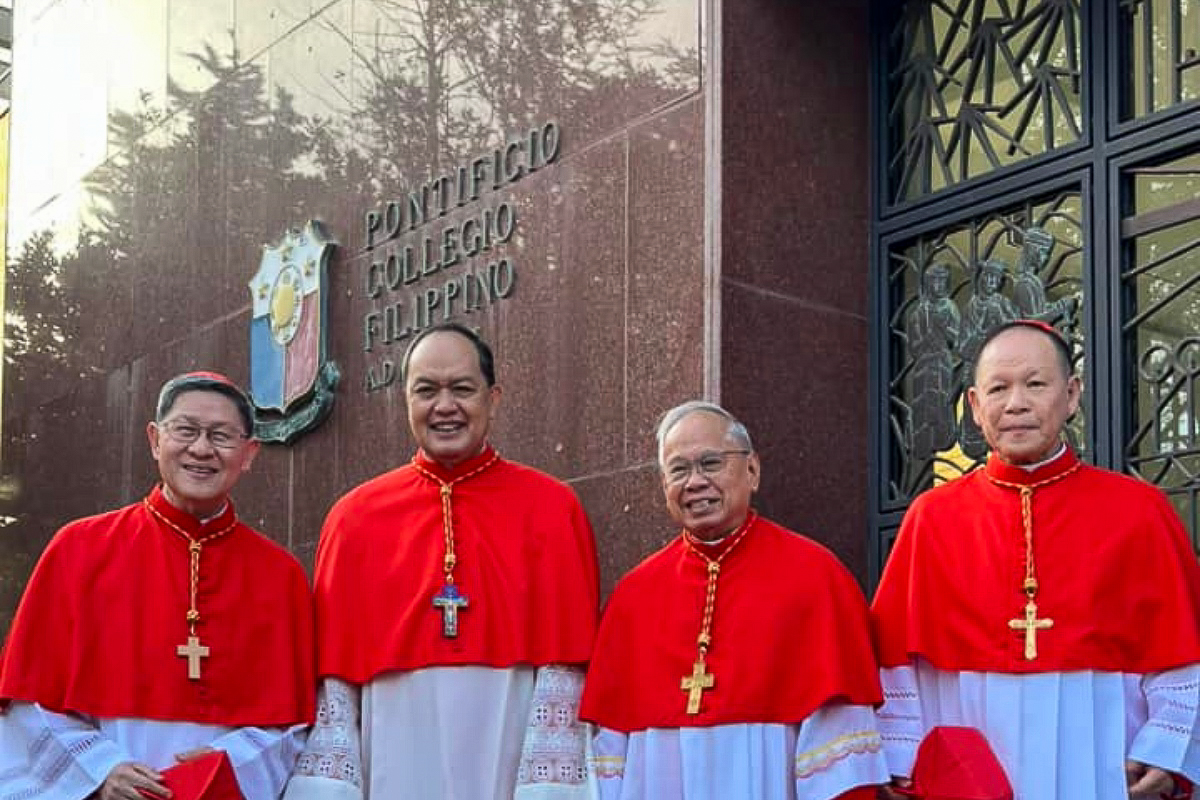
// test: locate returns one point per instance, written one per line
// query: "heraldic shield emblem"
(291, 382)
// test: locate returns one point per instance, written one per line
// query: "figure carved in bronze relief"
(932, 328)
(986, 309)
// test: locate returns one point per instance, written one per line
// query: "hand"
(1147, 782)
(188, 755)
(888, 791)
(131, 781)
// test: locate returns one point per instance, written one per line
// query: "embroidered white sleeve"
(606, 762)
(262, 758)
(837, 749)
(900, 723)
(50, 756)
(553, 754)
(330, 765)
(1169, 739)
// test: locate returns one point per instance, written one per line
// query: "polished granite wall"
(158, 144)
(794, 325)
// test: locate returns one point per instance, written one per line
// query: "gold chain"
(1030, 585)
(450, 560)
(704, 640)
(195, 546)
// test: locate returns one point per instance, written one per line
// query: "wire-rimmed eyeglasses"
(708, 465)
(188, 433)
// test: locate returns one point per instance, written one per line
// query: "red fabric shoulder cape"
(526, 563)
(790, 634)
(1116, 574)
(105, 609)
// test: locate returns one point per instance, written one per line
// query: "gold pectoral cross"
(695, 684)
(193, 651)
(1031, 625)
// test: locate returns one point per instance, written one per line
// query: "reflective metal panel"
(1160, 272)
(949, 289)
(978, 85)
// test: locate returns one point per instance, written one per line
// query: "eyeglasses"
(188, 433)
(708, 465)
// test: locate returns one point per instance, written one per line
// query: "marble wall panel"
(560, 337)
(796, 375)
(629, 517)
(260, 23)
(160, 200)
(60, 91)
(200, 33)
(138, 48)
(665, 331)
(794, 149)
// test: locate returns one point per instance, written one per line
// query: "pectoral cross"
(193, 651)
(450, 601)
(1031, 625)
(695, 684)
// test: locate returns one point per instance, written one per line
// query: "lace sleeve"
(553, 756)
(332, 752)
(1170, 737)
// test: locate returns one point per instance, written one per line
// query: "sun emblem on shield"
(291, 381)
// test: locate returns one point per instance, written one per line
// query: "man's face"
(991, 281)
(1022, 397)
(450, 405)
(709, 505)
(198, 477)
(938, 284)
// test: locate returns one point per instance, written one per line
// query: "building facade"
(807, 211)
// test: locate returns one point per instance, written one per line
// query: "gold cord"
(1030, 585)
(1029, 623)
(195, 546)
(449, 559)
(704, 640)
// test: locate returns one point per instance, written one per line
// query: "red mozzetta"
(106, 608)
(1114, 568)
(789, 635)
(525, 561)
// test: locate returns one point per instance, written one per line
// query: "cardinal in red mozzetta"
(736, 661)
(162, 631)
(456, 606)
(1051, 605)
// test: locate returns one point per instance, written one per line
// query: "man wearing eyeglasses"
(163, 633)
(736, 661)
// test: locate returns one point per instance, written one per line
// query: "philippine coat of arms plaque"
(291, 380)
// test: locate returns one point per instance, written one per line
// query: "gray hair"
(204, 381)
(735, 429)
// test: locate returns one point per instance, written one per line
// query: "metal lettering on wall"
(423, 273)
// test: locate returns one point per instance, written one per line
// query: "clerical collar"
(1031, 467)
(211, 517)
(448, 474)
(1063, 461)
(157, 499)
(715, 547)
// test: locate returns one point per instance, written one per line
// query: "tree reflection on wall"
(196, 180)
